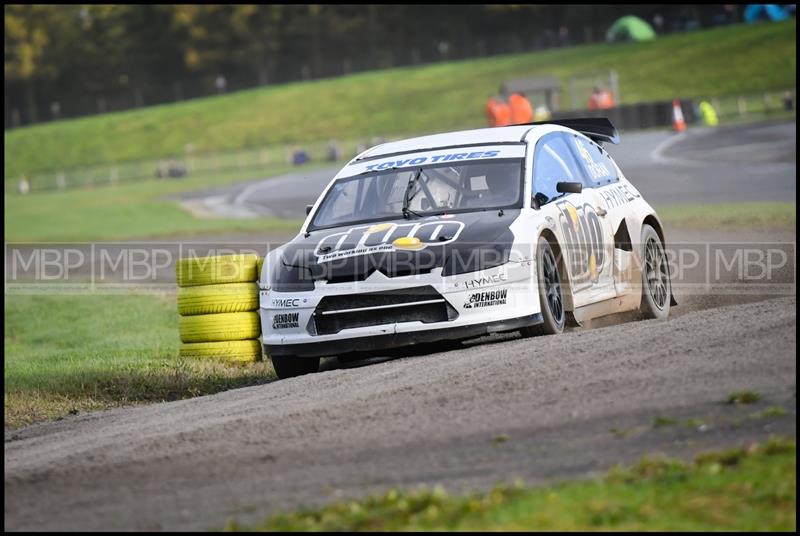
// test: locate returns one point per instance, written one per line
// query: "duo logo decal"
(385, 237)
(583, 233)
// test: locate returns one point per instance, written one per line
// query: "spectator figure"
(503, 113)
(299, 156)
(658, 23)
(788, 101)
(334, 151)
(24, 186)
(521, 109)
(498, 113)
(221, 83)
(563, 36)
(600, 99)
(541, 113)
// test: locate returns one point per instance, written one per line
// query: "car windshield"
(425, 191)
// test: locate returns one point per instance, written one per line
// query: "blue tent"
(771, 12)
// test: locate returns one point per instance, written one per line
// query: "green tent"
(630, 28)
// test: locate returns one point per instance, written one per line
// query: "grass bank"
(741, 489)
(733, 60)
(125, 211)
(68, 353)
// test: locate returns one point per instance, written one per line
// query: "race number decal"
(583, 235)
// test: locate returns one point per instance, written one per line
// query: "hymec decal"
(385, 237)
(285, 320)
(618, 195)
(583, 234)
(448, 157)
(287, 302)
(489, 298)
(485, 280)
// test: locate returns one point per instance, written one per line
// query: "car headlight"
(287, 278)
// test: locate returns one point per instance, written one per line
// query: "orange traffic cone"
(678, 124)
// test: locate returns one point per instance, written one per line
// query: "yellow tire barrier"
(239, 351)
(216, 270)
(219, 327)
(210, 299)
(260, 266)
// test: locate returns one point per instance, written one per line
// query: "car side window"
(552, 164)
(598, 167)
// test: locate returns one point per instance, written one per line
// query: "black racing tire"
(291, 366)
(551, 293)
(656, 284)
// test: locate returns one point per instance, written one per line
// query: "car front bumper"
(493, 300)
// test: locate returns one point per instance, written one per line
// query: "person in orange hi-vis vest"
(491, 110)
(497, 112)
(521, 109)
(601, 99)
(503, 114)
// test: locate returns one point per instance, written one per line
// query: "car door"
(585, 237)
(598, 172)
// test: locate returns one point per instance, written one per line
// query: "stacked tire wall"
(218, 304)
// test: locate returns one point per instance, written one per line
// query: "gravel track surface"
(431, 418)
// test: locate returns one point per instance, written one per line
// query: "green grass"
(744, 397)
(68, 353)
(754, 216)
(737, 59)
(125, 211)
(737, 489)
(660, 422)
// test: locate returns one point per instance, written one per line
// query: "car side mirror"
(308, 209)
(569, 187)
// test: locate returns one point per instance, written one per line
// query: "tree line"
(71, 60)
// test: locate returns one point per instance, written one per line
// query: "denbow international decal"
(490, 298)
(285, 320)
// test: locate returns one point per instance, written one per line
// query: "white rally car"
(453, 236)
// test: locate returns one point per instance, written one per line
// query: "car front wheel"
(551, 294)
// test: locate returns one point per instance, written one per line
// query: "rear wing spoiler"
(598, 129)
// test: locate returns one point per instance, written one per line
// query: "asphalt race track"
(570, 405)
(751, 162)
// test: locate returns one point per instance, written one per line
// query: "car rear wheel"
(656, 284)
(291, 366)
(551, 294)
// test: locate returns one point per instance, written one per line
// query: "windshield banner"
(436, 157)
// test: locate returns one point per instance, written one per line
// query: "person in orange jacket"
(503, 114)
(521, 109)
(600, 99)
(498, 114)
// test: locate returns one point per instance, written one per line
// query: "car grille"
(422, 304)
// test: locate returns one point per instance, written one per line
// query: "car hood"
(458, 243)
